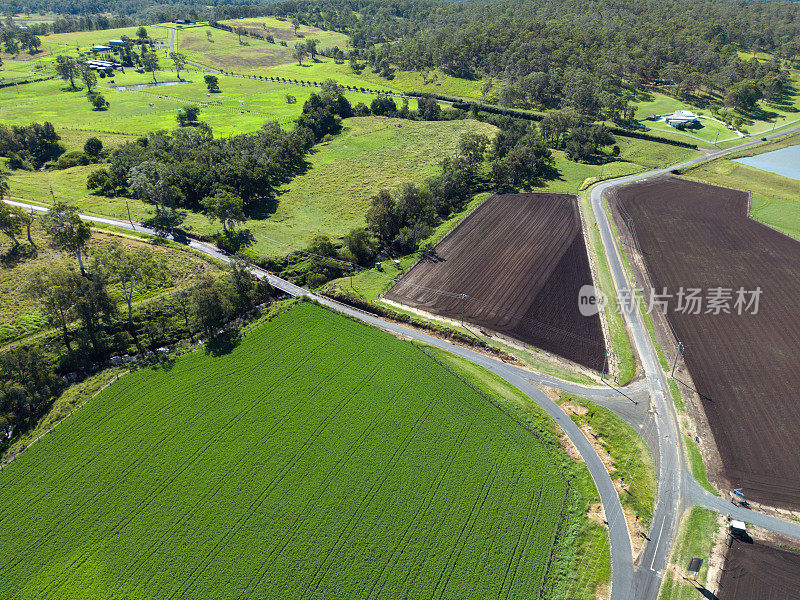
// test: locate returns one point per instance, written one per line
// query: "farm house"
(683, 118)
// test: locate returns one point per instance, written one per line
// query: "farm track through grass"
(319, 459)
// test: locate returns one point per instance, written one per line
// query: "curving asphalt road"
(676, 486)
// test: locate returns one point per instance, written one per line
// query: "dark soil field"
(758, 571)
(744, 367)
(521, 260)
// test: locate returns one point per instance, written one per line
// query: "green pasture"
(223, 50)
(331, 197)
(243, 105)
(316, 457)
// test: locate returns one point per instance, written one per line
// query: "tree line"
(82, 297)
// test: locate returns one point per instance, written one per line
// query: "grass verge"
(695, 539)
(628, 452)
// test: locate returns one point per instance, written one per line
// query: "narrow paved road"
(622, 557)
(676, 487)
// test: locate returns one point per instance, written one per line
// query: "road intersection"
(677, 489)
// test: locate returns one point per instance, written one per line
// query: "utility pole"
(675, 362)
(462, 297)
(128, 206)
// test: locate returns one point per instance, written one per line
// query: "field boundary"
(538, 436)
(590, 254)
(9, 459)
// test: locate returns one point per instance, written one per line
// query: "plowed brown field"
(745, 367)
(757, 571)
(521, 261)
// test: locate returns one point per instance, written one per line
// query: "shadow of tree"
(223, 343)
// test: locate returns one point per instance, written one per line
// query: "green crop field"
(319, 458)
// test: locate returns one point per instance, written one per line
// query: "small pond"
(785, 161)
(143, 86)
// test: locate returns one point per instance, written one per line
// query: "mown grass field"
(331, 197)
(319, 459)
(768, 117)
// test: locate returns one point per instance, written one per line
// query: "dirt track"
(521, 260)
(744, 366)
(759, 571)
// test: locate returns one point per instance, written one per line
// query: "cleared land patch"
(759, 570)
(318, 459)
(744, 367)
(521, 261)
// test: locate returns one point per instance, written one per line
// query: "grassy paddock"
(330, 198)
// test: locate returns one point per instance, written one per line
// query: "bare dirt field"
(758, 570)
(521, 260)
(744, 366)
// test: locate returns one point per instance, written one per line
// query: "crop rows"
(319, 459)
(520, 260)
(744, 366)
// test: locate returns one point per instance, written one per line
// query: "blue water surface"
(785, 161)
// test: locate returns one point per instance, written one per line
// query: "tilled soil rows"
(745, 366)
(521, 261)
(756, 570)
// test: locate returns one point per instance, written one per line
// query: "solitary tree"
(150, 63)
(54, 287)
(93, 147)
(98, 101)
(188, 115)
(136, 271)
(11, 221)
(212, 83)
(240, 31)
(300, 52)
(295, 24)
(68, 232)
(179, 60)
(89, 77)
(67, 69)
(141, 33)
(226, 207)
(311, 48)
